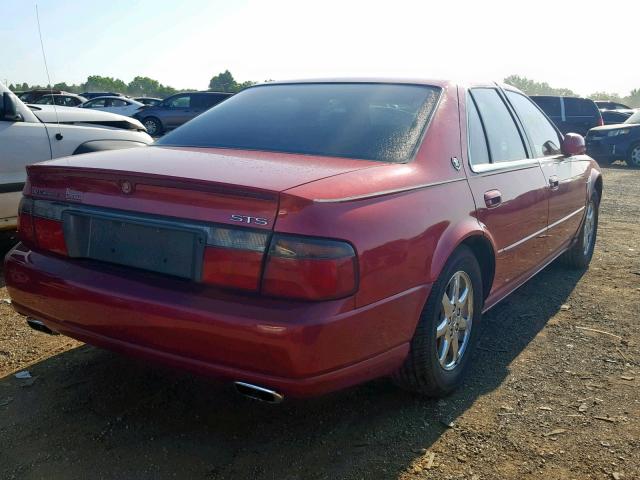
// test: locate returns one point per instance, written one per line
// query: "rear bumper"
(297, 348)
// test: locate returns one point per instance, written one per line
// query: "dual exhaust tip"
(246, 389)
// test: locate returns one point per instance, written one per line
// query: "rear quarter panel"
(404, 220)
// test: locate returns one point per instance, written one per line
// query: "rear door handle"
(554, 183)
(492, 198)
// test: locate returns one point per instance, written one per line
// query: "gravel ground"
(553, 394)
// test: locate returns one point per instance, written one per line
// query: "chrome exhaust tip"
(258, 393)
(40, 326)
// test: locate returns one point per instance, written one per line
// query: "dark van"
(178, 109)
(570, 114)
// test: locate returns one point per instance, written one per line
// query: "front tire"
(580, 254)
(447, 330)
(633, 160)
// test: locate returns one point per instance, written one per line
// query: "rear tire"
(428, 369)
(580, 254)
(153, 126)
(633, 160)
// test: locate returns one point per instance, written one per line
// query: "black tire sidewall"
(629, 161)
(443, 380)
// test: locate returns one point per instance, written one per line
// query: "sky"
(184, 43)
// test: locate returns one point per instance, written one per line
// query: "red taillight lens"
(49, 235)
(233, 258)
(600, 121)
(309, 268)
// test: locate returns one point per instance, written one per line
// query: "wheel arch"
(473, 236)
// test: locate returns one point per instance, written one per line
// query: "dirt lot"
(547, 397)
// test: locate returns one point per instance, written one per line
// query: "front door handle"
(492, 198)
(554, 183)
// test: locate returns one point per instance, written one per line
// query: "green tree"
(531, 87)
(224, 82)
(633, 100)
(614, 97)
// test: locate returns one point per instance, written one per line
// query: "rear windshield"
(357, 120)
(635, 118)
(580, 107)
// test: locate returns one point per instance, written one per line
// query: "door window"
(97, 103)
(116, 102)
(478, 151)
(183, 101)
(505, 142)
(541, 133)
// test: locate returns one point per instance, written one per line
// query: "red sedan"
(303, 237)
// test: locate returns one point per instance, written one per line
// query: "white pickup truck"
(31, 134)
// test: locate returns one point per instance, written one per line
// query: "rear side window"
(478, 151)
(550, 105)
(541, 133)
(505, 142)
(580, 107)
(183, 101)
(369, 121)
(207, 100)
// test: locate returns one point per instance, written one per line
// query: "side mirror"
(573, 144)
(8, 108)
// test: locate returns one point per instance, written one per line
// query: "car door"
(119, 106)
(508, 187)
(178, 111)
(97, 103)
(21, 143)
(566, 176)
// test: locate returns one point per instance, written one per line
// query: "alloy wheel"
(589, 225)
(456, 316)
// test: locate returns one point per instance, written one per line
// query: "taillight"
(233, 258)
(309, 268)
(41, 225)
(49, 235)
(25, 221)
(600, 121)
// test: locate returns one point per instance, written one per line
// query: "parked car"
(178, 109)
(256, 242)
(61, 99)
(570, 114)
(90, 95)
(614, 117)
(616, 142)
(119, 105)
(33, 134)
(32, 96)
(149, 100)
(615, 106)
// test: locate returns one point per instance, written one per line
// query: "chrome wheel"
(456, 316)
(589, 225)
(635, 156)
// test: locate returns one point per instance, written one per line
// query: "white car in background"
(31, 134)
(120, 105)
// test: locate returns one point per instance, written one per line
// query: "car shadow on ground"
(91, 411)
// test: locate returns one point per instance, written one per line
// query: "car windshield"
(635, 118)
(369, 121)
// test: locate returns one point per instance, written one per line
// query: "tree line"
(531, 87)
(139, 86)
(225, 82)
